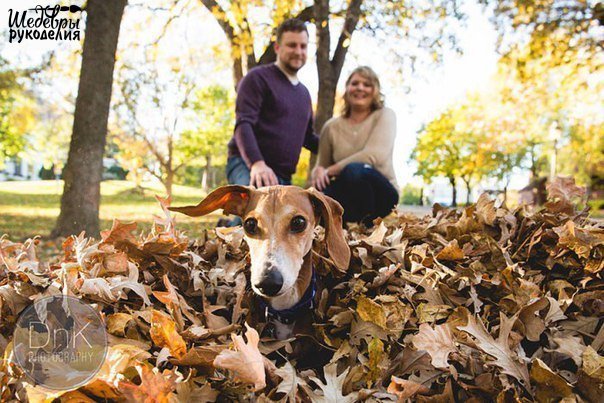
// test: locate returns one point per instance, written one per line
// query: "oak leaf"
(119, 358)
(333, 387)
(371, 311)
(579, 240)
(593, 364)
(550, 386)
(376, 355)
(504, 357)
(570, 346)
(437, 342)
(560, 194)
(155, 387)
(485, 209)
(590, 381)
(199, 356)
(290, 382)
(451, 252)
(189, 391)
(405, 389)
(246, 363)
(117, 322)
(163, 333)
(362, 330)
(530, 319)
(119, 231)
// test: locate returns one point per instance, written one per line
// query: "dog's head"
(278, 222)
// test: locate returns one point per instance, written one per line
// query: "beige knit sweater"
(370, 142)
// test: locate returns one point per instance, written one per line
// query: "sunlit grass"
(30, 208)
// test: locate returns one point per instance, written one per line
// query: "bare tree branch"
(269, 56)
(214, 8)
(352, 18)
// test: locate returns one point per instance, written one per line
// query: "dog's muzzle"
(271, 282)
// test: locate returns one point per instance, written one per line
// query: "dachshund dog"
(278, 222)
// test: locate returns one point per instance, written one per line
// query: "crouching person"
(354, 165)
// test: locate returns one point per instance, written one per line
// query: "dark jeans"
(239, 174)
(364, 193)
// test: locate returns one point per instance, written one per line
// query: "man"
(273, 115)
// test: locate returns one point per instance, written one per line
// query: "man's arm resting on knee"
(247, 144)
(260, 173)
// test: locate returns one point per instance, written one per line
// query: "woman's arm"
(319, 175)
(325, 153)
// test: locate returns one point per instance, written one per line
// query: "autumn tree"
(555, 28)
(438, 151)
(483, 137)
(557, 108)
(214, 109)
(534, 117)
(49, 139)
(16, 111)
(582, 157)
(150, 107)
(83, 172)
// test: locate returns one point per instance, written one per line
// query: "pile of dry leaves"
(477, 304)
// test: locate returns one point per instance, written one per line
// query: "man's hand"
(262, 175)
(319, 178)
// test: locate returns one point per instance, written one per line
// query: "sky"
(416, 101)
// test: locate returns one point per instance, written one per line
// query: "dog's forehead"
(280, 199)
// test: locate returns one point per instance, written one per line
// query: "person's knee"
(237, 172)
(353, 172)
(389, 202)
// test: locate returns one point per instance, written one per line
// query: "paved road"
(419, 211)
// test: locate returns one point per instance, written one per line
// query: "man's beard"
(292, 68)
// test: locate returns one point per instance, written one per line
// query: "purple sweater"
(273, 121)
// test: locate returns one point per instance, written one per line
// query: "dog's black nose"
(271, 283)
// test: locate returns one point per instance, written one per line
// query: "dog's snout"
(271, 282)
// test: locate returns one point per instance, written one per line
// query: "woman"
(354, 165)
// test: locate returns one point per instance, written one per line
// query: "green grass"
(30, 208)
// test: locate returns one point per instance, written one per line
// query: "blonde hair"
(378, 98)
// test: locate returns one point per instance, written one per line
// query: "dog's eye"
(298, 224)
(251, 226)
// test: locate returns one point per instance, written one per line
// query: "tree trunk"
(237, 68)
(81, 194)
(206, 173)
(468, 190)
(505, 191)
(204, 180)
(421, 196)
(325, 102)
(169, 181)
(454, 195)
(533, 169)
(329, 70)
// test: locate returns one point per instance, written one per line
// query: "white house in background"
(22, 170)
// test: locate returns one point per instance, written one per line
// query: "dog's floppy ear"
(331, 212)
(233, 199)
